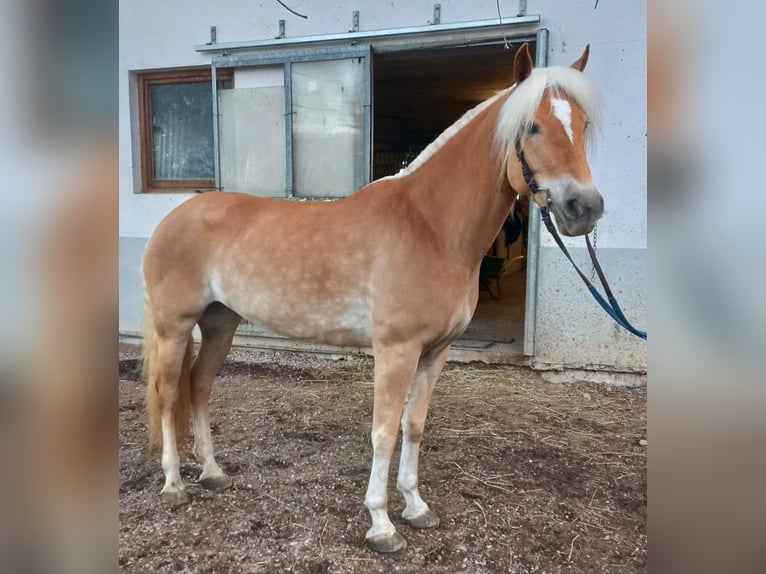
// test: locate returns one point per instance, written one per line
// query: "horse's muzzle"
(577, 208)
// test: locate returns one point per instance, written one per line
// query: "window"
(297, 125)
(328, 127)
(176, 117)
(251, 131)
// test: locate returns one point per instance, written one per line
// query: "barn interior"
(417, 95)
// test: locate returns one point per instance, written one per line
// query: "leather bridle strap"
(612, 307)
(526, 172)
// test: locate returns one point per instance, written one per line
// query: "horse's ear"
(522, 64)
(583, 61)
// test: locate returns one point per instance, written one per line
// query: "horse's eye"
(533, 129)
(587, 125)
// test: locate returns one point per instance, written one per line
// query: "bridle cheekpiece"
(526, 172)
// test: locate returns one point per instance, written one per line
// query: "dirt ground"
(526, 476)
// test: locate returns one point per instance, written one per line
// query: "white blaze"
(563, 111)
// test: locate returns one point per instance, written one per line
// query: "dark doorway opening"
(417, 95)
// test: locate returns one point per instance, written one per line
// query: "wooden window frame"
(145, 82)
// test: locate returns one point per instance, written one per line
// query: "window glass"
(252, 138)
(328, 127)
(182, 131)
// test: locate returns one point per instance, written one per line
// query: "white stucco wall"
(161, 34)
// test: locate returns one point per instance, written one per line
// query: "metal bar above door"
(366, 36)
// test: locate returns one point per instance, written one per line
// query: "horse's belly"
(343, 321)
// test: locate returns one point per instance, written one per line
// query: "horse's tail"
(151, 371)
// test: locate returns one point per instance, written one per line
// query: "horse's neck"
(461, 190)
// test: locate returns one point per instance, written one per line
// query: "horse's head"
(542, 131)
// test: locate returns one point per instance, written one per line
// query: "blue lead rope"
(612, 307)
(613, 310)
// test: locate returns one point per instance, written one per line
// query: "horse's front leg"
(395, 366)
(416, 512)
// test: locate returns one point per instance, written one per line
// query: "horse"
(221, 257)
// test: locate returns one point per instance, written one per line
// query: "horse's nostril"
(572, 207)
(582, 205)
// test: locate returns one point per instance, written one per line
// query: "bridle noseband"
(612, 307)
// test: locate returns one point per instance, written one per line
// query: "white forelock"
(518, 111)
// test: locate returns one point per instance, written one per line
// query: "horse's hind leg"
(217, 326)
(416, 512)
(172, 346)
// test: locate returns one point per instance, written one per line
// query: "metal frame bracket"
(304, 42)
(533, 234)
(281, 29)
(213, 35)
(437, 18)
(354, 21)
(522, 8)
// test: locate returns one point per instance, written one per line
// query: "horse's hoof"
(426, 520)
(387, 543)
(221, 482)
(174, 497)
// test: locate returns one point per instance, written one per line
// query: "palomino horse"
(221, 257)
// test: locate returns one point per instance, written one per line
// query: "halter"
(612, 307)
(526, 172)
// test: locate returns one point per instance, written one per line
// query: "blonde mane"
(447, 134)
(518, 111)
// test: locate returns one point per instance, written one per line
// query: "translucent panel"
(251, 128)
(259, 77)
(182, 131)
(328, 127)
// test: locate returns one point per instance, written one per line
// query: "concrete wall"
(571, 329)
(131, 284)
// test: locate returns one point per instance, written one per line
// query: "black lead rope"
(612, 307)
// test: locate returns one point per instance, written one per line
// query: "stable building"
(257, 98)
